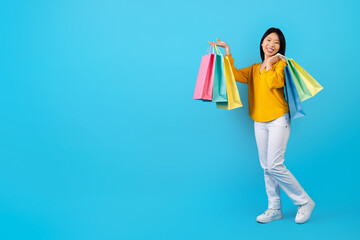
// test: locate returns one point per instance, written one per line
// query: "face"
(271, 44)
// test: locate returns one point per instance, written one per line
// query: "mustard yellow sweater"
(266, 95)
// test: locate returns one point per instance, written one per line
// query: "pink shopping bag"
(205, 78)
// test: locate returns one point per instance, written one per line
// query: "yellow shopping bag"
(313, 86)
(233, 97)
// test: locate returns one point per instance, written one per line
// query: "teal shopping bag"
(219, 85)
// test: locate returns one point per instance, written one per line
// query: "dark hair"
(281, 38)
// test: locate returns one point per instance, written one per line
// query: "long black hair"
(281, 38)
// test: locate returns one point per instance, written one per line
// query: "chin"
(270, 55)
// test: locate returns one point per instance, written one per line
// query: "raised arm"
(241, 75)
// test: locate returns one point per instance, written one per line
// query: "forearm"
(275, 75)
(227, 51)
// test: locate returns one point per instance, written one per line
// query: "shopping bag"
(219, 85)
(233, 97)
(205, 78)
(313, 86)
(302, 89)
(292, 97)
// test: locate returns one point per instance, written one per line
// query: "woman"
(270, 112)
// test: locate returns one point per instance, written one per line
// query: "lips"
(270, 50)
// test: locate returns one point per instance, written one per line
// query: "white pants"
(271, 139)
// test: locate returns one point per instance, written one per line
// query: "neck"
(266, 58)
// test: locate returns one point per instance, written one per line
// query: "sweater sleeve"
(241, 75)
(275, 77)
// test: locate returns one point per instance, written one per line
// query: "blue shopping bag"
(292, 96)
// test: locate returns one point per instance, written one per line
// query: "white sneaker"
(304, 211)
(270, 215)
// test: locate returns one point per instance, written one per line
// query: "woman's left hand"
(272, 60)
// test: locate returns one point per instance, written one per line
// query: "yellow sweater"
(266, 95)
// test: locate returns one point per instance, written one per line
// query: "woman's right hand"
(220, 43)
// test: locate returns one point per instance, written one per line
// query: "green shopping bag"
(310, 82)
(302, 89)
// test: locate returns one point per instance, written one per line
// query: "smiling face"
(271, 44)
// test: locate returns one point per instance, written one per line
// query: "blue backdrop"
(101, 139)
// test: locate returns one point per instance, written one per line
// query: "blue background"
(101, 139)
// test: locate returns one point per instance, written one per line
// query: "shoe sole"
(278, 218)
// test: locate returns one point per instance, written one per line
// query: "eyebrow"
(271, 38)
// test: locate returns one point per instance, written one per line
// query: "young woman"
(270, 112)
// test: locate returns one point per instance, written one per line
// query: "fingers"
(214, 43)
(280, 55)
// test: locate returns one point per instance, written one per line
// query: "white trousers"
(271, 139)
